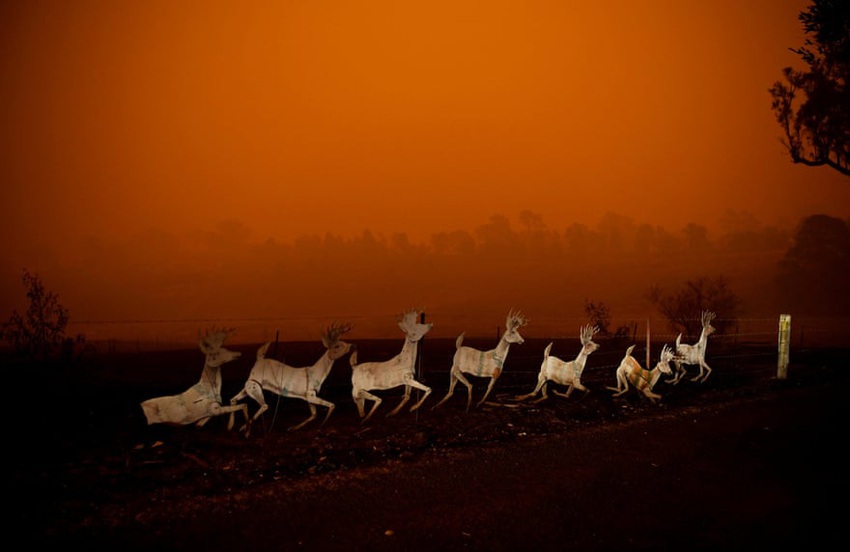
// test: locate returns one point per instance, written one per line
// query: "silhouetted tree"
(696, 238)
(682, 308)
(817, 127)
(457, 242)
(497, 236)
(813, 273)
(41, 329)
(599, 315)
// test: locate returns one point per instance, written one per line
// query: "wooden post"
(648, 367)
(419, 362)
(784, 345)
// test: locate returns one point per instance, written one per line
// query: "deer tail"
(678, 341)
(459, 341)
(261, 352)
(352, 358)
(629, 350)
(546, 351)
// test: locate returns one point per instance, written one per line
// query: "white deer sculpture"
(484, 364)
(694, 354)
(296, 382)
(202, 401)
(564, 372)
(399, 370)
(643, 380)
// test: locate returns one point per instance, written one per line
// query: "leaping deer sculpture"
(484, 364)
(202, 401)
(643, 380)
(694, 354)
(564, 372)
(295, 382)
(399, 370)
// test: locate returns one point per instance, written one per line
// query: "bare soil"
(741, 460)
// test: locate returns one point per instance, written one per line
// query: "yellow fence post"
(784, 344)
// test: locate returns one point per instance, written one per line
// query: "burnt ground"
(741, 460)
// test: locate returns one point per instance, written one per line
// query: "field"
(85, 468)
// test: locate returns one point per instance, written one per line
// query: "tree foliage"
(599, 315)
(41, 329)
(813, 272)
(682, 308)
(813, 106)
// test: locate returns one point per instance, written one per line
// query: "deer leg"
(404, 400)
(460, 377)
(309, 418)
(312, 401)
(255, 391)
(674, 379)
(331, 406)
(486, 393)
(545, 395)
(569, 391)
(541, 382)
(651, 396)
(702, 365)
(421, 387)
(622, 385)
(452, 383)
(239, 396)
(359, 401)
(376, 402)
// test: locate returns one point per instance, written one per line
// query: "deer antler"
(335, 330)
(214, 337)
(707, 317)
(515, 320)
(409, 318)
(587, 333)
(666, 354)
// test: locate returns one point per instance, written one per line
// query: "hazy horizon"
(155, 155)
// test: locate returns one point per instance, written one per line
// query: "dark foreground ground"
(741, 461)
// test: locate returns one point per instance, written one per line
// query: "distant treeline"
(543, 271)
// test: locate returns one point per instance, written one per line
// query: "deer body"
(631, 372)
(202, 401)
(564, 372)
(694, 354)
(482, 364)
(395, 372)
(294, 382)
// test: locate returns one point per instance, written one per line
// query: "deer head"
(330, 339)
(586, 336)
(513, 323)
(211, 345)
(409, 324)
(664, 363)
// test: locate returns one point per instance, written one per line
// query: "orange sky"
(301, 117)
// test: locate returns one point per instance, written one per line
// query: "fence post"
(418, 361)
(784, 344)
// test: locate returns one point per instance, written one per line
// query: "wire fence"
(161, 335)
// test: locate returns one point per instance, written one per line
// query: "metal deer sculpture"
(202, 401)
(399, 370)
(694, 354)
(630, 372)
(564, 372)
(293, 382)
(486, 364)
